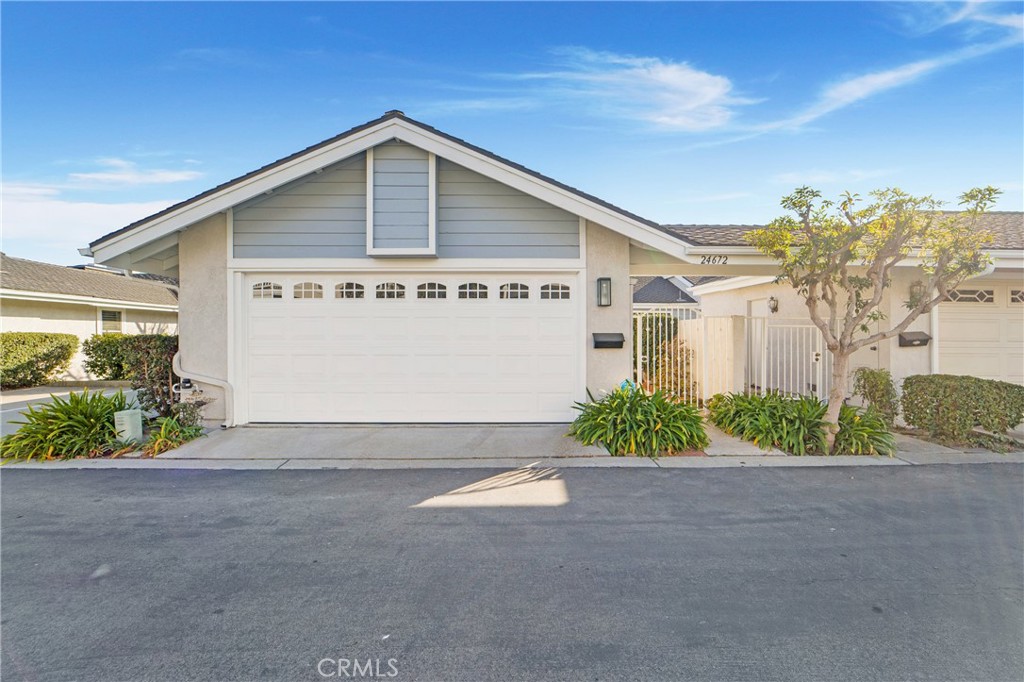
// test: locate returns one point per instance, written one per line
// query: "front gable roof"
(393, 125)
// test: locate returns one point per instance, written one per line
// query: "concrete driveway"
(387, 442)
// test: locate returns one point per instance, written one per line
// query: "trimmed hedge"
(950, 407)
(34, 358)
(106, 356)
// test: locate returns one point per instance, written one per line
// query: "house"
(652, 291)
(978, 332)
(395, 273)
(41, 297)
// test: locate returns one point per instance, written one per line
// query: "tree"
(840, 259)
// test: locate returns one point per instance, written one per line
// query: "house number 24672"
(714, 260)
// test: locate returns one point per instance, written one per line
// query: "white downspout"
(229, 392)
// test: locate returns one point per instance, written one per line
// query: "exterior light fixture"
(773, 305)
(604, 291)
(916, 291)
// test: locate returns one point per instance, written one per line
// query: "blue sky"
(680, 112)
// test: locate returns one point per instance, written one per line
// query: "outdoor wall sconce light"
(916, 291)
(773, 305)
(604, 291)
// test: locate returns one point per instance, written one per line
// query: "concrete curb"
(718, 462)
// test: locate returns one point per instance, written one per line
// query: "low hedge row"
(950, 407)
(34, 358)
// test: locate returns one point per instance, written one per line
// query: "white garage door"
(981, 332)
(412, 347)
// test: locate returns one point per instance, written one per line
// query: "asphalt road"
(876, 573)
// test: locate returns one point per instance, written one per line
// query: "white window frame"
(431, 248)
(99, 320)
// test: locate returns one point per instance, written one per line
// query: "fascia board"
(48, 297)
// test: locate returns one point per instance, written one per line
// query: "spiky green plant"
(81, 425)
(629, 421)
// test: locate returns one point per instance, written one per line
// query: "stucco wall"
(901, 362)
(608, 256)
(202, 301)
(80, 320)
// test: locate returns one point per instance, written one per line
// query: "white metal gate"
(692, 357)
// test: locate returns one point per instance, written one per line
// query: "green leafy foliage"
(798, 426)
(81, 425)
(949, 407)
(629, 421)
(864, 432)
(876, 387)
(34, 358)
(148, 358)
(167, 434)
(839, 257)
(106, 356)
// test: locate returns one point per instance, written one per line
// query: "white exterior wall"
(203, 308)
(82, 320)
(901, 362)
(607, 255)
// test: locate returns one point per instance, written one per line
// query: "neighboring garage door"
(981, 332)
(412, 347)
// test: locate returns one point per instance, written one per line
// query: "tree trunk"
(840, 365)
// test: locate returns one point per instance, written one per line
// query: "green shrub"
(876, 387)
(864, 432)
(82, 425)
(797, 425)
(106, 356)
(34, 358)
(949, 407)
(629, 421)
(169, 434)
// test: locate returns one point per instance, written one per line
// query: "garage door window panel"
(554, 292)
(266, 290)
(972, 296)
(390, 290)
(1016, 296)
(472, 290)
(514, 291)
(349, 290)
(308, 290)
(431, 290)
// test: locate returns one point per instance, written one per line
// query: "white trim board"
(47, 297)
(363, 140)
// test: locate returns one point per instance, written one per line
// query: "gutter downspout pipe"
(229, 392)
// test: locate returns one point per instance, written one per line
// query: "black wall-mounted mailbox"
(609, 340)
(914, 339)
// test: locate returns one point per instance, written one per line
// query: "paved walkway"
(477, 446)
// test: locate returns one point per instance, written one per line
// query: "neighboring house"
(41, 297)
(979, 331)
(395, 273)
(649, 292)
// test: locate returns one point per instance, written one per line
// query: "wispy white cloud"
(854, 89)
(127, 173)
(667, 94)
(39, 223)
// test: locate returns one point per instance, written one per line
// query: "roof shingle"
(25, 275)
(1007, 228)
